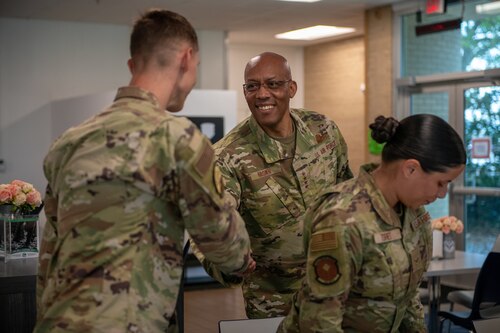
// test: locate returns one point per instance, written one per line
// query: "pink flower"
(437, 224)
(22, 195)
(448, 224)
(14, 189)
(34, 198)
(5, 195)
(23, 186)
(19, 199)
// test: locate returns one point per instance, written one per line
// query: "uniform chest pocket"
(377, 273)
(272, 206)
(419, 258)
(317, 171)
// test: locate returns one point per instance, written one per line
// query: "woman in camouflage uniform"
(368, 239)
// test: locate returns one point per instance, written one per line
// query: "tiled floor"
(203, 309)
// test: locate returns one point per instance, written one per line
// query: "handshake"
(250, 268)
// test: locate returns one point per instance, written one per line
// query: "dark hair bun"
(383, 128)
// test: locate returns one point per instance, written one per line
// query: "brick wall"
(379, 66)
(333, 74)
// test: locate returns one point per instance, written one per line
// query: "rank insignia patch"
(219, 187)
(326, 270)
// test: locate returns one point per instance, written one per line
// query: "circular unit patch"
(326, 270)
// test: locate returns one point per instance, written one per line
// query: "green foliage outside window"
(481, 50)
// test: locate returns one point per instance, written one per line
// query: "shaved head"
(270, 102)
(270, 59)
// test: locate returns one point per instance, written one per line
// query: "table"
(487, 325)
(18, 295)
(463, 263)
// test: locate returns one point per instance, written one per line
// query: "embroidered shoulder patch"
(320, 137)
(324, 241)
(326, 270)
(420, 220)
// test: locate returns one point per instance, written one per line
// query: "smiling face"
(270, 103)
(423, 188)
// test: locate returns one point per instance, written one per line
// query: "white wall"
(46, 61)
(42, 61)
(212, 73)
(240, 54)
(69, 112)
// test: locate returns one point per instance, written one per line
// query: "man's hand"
(251, 267)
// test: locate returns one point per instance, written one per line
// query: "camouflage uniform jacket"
(272, 202)
(364, 264)
(122, 189)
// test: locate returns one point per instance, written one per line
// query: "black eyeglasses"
(269, 84)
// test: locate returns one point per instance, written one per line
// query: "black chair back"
(487, 290)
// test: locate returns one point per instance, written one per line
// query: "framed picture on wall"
(212, 127)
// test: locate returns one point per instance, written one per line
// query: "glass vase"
(449, 245)
(18, 234)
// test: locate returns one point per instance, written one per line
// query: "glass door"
(478, 199)
(473, 109)
(437, 101)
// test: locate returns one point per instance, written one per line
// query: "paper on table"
(437, 244)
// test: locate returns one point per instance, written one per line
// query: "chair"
(486, 290)
(464, 297)
(264, 325)
(423, 294)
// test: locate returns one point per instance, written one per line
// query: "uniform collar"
(379, 203)
(137, 93)
(272, 150)
(413, 218)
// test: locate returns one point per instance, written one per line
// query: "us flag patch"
(324, 241)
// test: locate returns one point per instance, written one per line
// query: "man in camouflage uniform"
(275, 164)
(122, 189)
(364, 263)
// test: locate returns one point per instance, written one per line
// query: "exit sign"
(435, 7)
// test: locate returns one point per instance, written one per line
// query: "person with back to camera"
(369, 239)
(122, 189)
(274, 164)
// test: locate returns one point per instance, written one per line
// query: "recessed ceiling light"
(316, 32)
(300, 0)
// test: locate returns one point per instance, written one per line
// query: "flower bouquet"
(20, 197)
(443, 236)
(448, 224)
(20, 204)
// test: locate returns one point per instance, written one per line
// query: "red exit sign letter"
(435, 7)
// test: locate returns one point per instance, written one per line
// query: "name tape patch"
(262, 173)
(387, 236)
